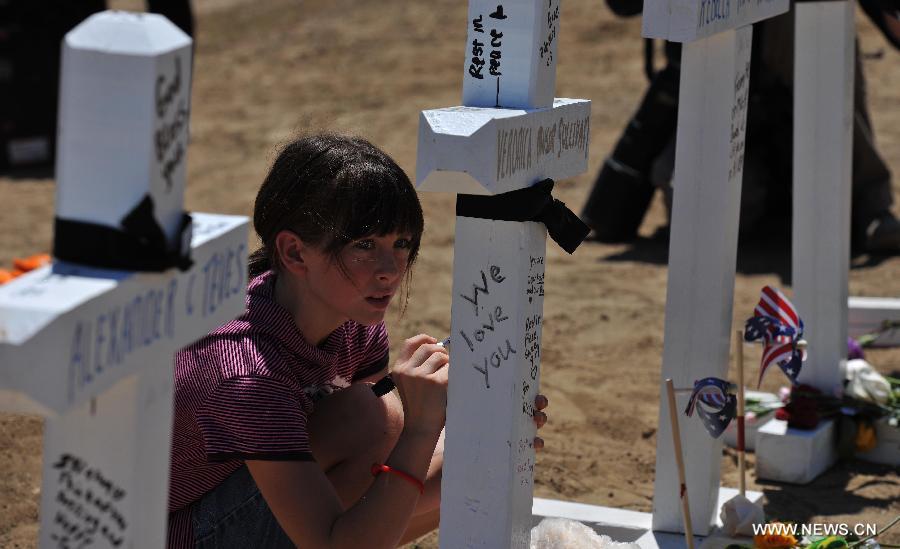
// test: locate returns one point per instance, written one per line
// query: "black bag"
(626, 8)
(31, 33)
(886, 16)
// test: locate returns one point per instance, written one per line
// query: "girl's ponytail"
(259, 262)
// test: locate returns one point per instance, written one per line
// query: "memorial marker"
(709, 159)
(823, 158)
(823, 153)
(511, 134)
(92, 349)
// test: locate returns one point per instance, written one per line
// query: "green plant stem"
(876, 534)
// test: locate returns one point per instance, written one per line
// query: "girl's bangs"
(378, 202)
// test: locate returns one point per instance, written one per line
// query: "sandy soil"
(264, 72)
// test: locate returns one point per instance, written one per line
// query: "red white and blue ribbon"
(714, 402)
(776, 322)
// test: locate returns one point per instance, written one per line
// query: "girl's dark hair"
(331, 190)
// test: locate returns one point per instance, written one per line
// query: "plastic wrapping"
(560, 533)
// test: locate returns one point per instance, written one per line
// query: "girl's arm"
(373, 378)
(308, 509)
(306, 504)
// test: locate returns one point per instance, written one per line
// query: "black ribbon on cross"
(534, 203)
(139, 245)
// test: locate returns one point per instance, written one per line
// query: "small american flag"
(777, 323)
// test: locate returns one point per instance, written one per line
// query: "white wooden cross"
(823, 149)
(712, 109)
(90, 349)
(510, 134)
(822, 159)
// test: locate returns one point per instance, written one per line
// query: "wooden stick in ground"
(739, 358)
(679, 460)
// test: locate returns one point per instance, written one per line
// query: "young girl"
(280, 437)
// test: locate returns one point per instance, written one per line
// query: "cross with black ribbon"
(534, 203)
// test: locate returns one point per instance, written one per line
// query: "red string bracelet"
(378, 468)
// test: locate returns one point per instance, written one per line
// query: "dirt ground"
(267, 70)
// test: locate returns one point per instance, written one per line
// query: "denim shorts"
(234, 515)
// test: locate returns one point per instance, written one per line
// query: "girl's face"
(374, 267)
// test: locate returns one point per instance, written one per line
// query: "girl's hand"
(420, 374)
(540, 418)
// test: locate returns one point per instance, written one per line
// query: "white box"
(887, 449)
(751, 425)
(865, 315)
(794, 455)
(751, 432)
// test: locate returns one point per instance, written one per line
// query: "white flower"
(864, 383)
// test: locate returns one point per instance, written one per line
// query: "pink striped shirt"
(245, 391)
